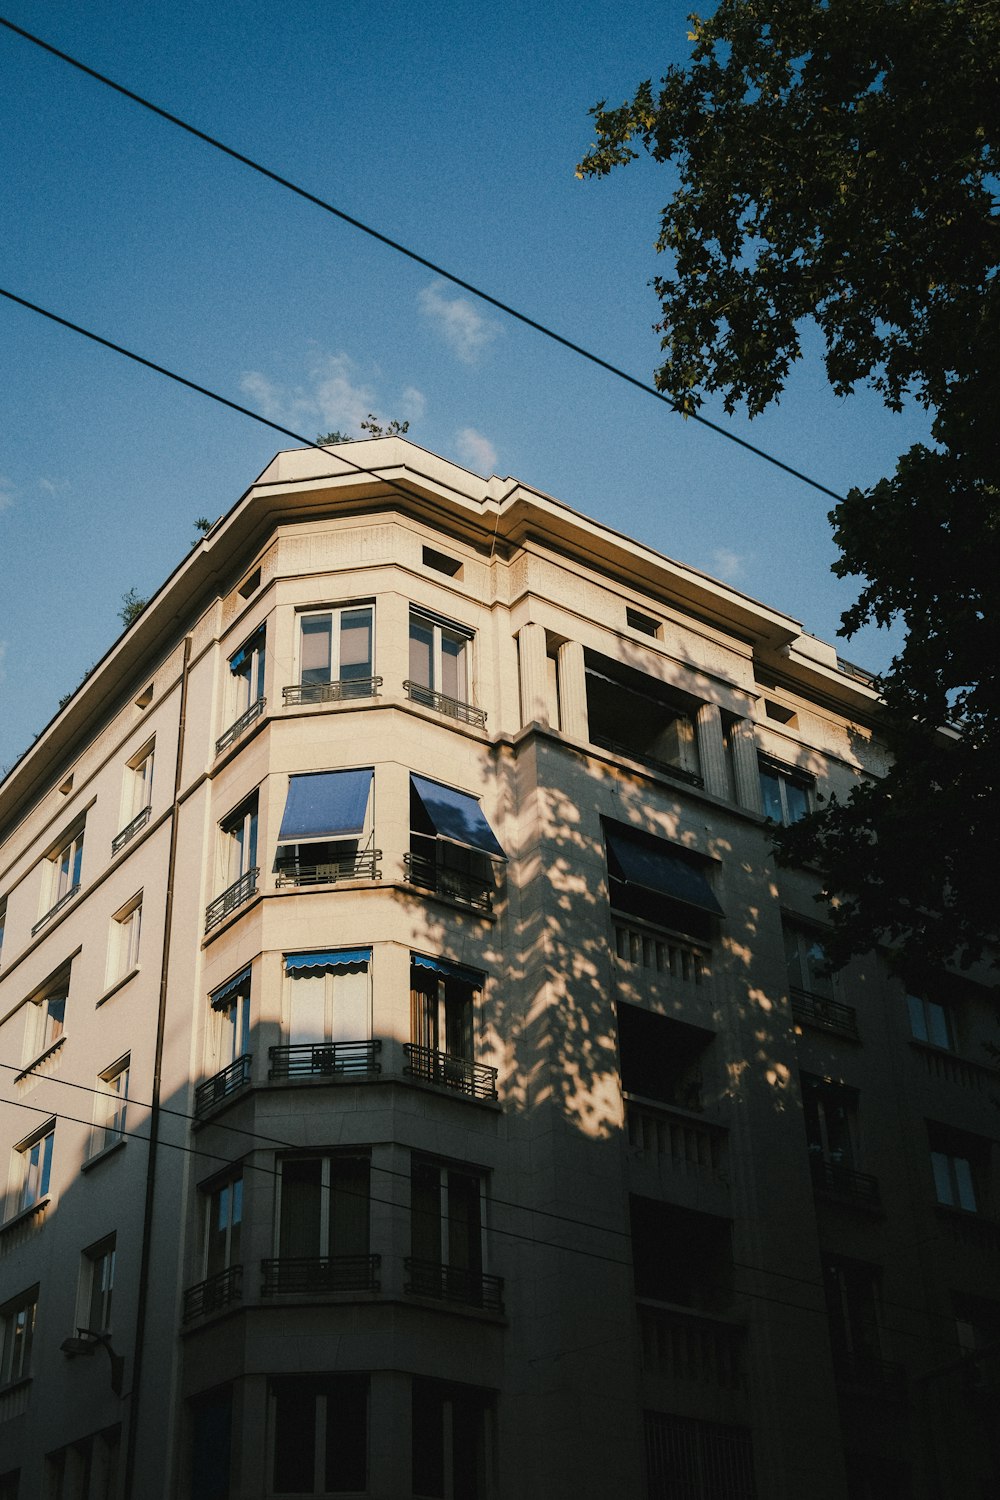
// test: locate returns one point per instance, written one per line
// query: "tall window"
(319, 1434)
(336, 646)
(32, 1169)
(110, 1105)
(328, 997)
(246, 669)
(830, 1111)
(961, 1164)
(784, 791)
(231, 1008)
(238, 844)
(439, 655)
(805, 957)
(446, 1231)
(61, 876)
(123, 944)
(443, 1007)
(97, 1284)
(324, 1206)
(931, 1022)
(224, 1226)
(451, 1427)
(18, 1325)
(137, 791)
(853, 1300)
(46, 1018)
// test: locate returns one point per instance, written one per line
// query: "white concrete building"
(420, 1082)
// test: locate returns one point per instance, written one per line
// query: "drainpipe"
(154, 1112)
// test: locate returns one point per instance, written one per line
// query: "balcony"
(693, 1348)
(235, 895)
(825, 1015)
(244, 721)
(456, 885)
(212, 1295)
(63, 901)
(452, 708)
(331, 692)
(319, 1275)
(427, 1278)
(329, 1060)
(131, 829)
(661, 767)
(660, 955)
(843, 1183)
(947, 1067)
(674, 1140)
(458, 1074)
(364, 865)
(221, 1085)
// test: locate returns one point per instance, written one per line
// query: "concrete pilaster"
(745, 773)
(573, 691)
(534, 674)
(712, 749)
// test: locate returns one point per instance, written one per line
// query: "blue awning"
(456, 816)
(443, 966)
(239, 981)
(255, 643)
(644, 860)
(325, 805)
(341, 959)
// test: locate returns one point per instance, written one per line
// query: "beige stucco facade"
(569, 1173)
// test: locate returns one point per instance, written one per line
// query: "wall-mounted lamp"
(86, 1341)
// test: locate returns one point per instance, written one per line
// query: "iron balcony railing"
(213, 1294)
(131, 829)
(241, 890)
(212, 1092)
(427, 1278)
(630, 752)
(469, 890)
(244, 721)
(63, 901)
(826, 1015)
(336, 1060)
(331, 692)
(361, 866)
(477, 1080)
(317, 1275)
(844, 1182)
(454, 708)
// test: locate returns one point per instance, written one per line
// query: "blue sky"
(452, 128)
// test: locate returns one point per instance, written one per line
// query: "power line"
(422, 260)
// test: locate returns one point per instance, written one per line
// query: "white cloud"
(728, 564)
(413, 404)
(475, 450)
(339, 400)
(53, 486)
(6, 493)
(459, 322)
(269, 399)
(332, 396)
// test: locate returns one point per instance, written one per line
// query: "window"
(634, 714)
(61, 878)
(46, 1018)
(319, 1434)
(853, 1301)
(3, 921)
(931, 1022)
(691, 1460)
(439, 656)
(830, 1112)
(960, 1163)
(660, 882)
(237, 861)
(211, 1451)
(31, 1169)
(680, 1255)
(443, 1027)
(661, 1058)
(452, 1441)
(453, 850)
(97, 1284)
(137, 795)
(977, 1322)
(231, 1008)
(18, 1331)
(86, 1469)
(223, 1226)
(324, 1206)
(110, 1105)
(784, 791)
(326, 832)
(123, 946)
(447, 1235)
(329, 998)
(336, 654)
(246, 670)
(808, 970)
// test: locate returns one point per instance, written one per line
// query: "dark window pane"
(346, 1434)
(294, 1437)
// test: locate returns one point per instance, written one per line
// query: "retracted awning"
(255, 642)
(655, 865)
(220, 996)
(343, 960)
(456, 816)
(445, 966)
(325, 805)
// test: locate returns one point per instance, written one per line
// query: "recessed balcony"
(455, 885)
(457, 1074)
(334, 1061)
(459, 1284)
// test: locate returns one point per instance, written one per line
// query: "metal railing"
(427, 1278)
(845, 1182)
(361, 866)
(213, 1294)
(331, 692)
(235, 729)
(241, 890)
(476, 1080)
(325, 1060)
(693, 1348)
(131, 829)
(826, 1015)
(456, 885)
(63, 901)
(454, 708)
(221, 1085)
(631, 752)
(317, 1275)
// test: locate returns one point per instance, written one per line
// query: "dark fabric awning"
(340, 959)
(456, 816)
(224, 993)
(444, 966)
(646, 861)
(325, 805)
(255, 642)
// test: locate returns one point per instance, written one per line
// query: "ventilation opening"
(250, 585)
(637, 621)
(442, 563)
(67, 786)
(779, 713)
(145, 698)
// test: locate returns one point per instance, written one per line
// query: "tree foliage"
(371, 426)
(132, 606)
(837, 162)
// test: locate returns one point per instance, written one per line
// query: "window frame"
(97, 1284)
(111, 1106)
(923, 1013)
(440, 629)
(335, 615)
(326, 1201)
(246, 689)
(31, 1169)
(214, 1260)
(125, 935)
(784, 777)
(137, 785)
(808, 940)
(46, 1021)
(325, 1391)
(238, 841)
(63, 876)
(15, 1353)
